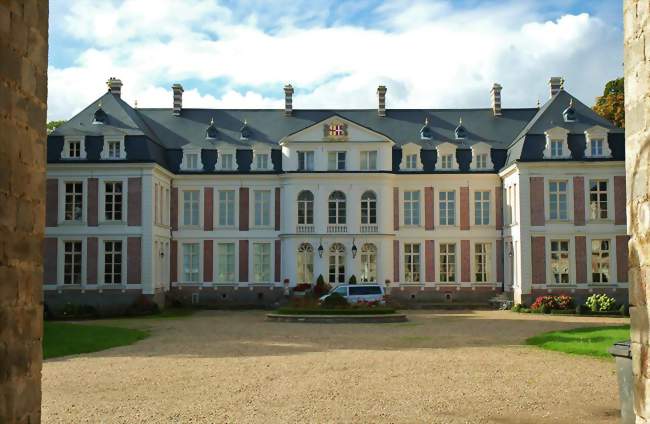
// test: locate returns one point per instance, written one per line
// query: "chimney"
(178, 98)
(556, 84)
(496, 99)
(114, 86)
(381, 94)
(288, 100)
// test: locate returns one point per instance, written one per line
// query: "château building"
(224, 206)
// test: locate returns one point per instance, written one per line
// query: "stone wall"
(23, 92)
(637, 130)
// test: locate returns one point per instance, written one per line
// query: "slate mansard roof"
(158, 135)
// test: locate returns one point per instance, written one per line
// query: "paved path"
(218, 366)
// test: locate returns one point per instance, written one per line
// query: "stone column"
(637, 160)
(23, 93)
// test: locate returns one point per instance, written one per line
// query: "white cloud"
(429, 54)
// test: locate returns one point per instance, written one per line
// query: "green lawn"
(62, 339)
(591, 341)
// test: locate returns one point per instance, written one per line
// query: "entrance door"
(337, 264)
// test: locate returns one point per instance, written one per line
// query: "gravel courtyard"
(232, 367)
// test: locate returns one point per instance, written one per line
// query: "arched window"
(306, 208)
(369, 208)
(337, 264)
(368, 263)
(305, 263)
(336, 208)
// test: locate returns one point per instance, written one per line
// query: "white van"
(354, 293)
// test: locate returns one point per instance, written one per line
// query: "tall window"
(560, 261)
(305, 161)
(369, 160)
(598, 199)
(447, 263)
(191, 207)
(600, 261)
(557, 191)
(369, 208)
(113, 201)
(411, 208)
(261, 161)
(557, 148)
(368, 263)
(74, 149)
(336, 161)
(263, 208)
(113, 262)
(192, 160)
(412, 262)
(481, 161)
(226, 262)
(597, 147)
(482, 262)
(191, 262)
(114, 150)
(481, 207)
(74, 201)
(261, 262)
(72, 262)
(337, 264)
(447, 207)
(226, 208)
(336, 208)
(412, 161)
(336, 130)
(305, 263)
(305, 208)
(227, 161)
(447, 161)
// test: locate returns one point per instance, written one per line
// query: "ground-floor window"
(600, 261)
(226, 262)
(191, 262)
(447, 262)
(261, 262)
(337, 263)
(305, 263)
(482, 262)
(72, 262)
(368, 263)
(113, 262)
(560, 261)
(412, 262)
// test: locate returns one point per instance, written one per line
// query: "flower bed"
(597, 304)
(337, 311)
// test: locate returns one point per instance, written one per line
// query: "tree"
(52, 125)
(611, 105)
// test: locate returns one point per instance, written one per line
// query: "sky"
(240, 54)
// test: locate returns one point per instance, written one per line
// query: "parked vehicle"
(354, 293)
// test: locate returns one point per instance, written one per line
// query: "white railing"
(304, 228)
(369, 228)
(337, 228)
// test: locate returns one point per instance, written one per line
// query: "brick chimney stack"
(381, 96)
(288, 100)
(178, 98)
(114, 86)
(496, 99)
(555, 84)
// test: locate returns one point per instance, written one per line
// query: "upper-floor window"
(597, 147)
(557, 191)
(598, 199)
(113, 201)
(411, 208)
(261, 161)
(481, 161)
(262, 208)
(481, 207)
(557, 148)
(447, 201)
(227, 162)
(336, 161)
(411, 157)
(412, 161)
(556, 144)
(226, 208)
(369, 208)
(305, 208)
(72, 258)
(74, 201)
(481, 156)
(560, 261)
(73, 148)
(336, 129)
(306, 161)
(369, 160)
(191, 161)
(191, 207)
(447, 161)
(113, 148)
(336, 208)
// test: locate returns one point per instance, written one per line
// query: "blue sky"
(239, 54)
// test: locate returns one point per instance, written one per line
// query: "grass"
(63, 339)
(342, 311)
(590, 341)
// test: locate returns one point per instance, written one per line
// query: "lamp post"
(320, 249)
(354, 249)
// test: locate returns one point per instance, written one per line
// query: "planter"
(623, 354)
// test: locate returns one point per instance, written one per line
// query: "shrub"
(564, 302)
(545, 309)
(561, 302)
(71, 310)
(517, 308)
(142, 306)
(353, 279)
(321, 287)
(302, 287)
(334, 301)
(600, 303)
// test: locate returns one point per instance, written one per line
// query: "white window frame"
(67, 140)
(258, 152)
(448, 269)
(334, 160)
(366, 160)
(368, 259)
(481, 204)
(101, 272)
(108, 139)
(307, 154)
(411, 149)
(84, 206)
(253, 210)
(412, 267)
(217, 275)
(254, 263)
(369, 205)
(102, 200)
(597, 133)
(487, 254)
(568, 201)
(414, 209)
(570, 260)
(557, 134)
(307, 206)
(609, 260)
(199, 254)
(455, 212)
(478, 150)
(61, 261)
(444, 150)
(599, 192)
(338, 216)
(219, 165)
(217, 208)
(181, 193)
(185, 166)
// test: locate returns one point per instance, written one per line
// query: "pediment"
(336, 129)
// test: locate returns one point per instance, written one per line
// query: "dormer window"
(556, 144)
(557, 148)
(226, 160)
(596, 145)
(569, 113)
(261, 161)
(411, 158)
(446, 161)
(446, 157)
(481, 159)
(191, 161)
(411, 161)
(113, 148)
(73, 148)
(99, 117)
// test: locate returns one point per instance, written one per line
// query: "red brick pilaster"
(464, 209)
(579, 201)
(428, 208)
(538, 259)
(537, 201)
(243, 208)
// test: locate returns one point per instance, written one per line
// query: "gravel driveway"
(232, 367)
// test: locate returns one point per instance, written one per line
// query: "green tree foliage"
(611, 105)
(52, 125)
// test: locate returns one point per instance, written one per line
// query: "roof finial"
(538, 104)
(571, 102)
(426, 120)
(212, 121)
(245, 121)
(460, 120)
(136, 103)
(99, 105)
